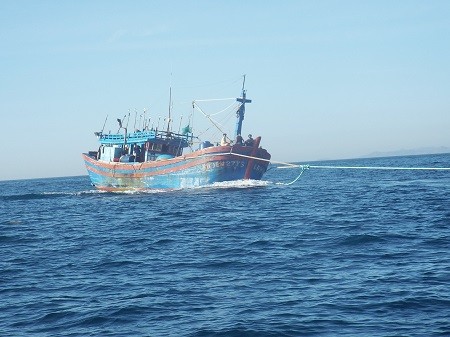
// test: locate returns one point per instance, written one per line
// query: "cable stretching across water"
(290, 165)
(380, 168)
(306, 167)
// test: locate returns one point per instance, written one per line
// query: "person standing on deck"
(249, 141)
(224, 141)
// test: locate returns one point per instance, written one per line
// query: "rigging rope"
(207, 116)
(218, 125)
(214, 99)
(214, 114)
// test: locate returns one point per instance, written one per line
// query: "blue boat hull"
(199, 168)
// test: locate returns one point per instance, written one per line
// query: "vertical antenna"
(179, 127)
(135, 117)
(104, 123)
(144, 122)
(170, 107)
(129, 113)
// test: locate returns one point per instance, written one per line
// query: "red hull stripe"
(121, 170)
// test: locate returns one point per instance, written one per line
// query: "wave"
(239, 330)
(360, 239)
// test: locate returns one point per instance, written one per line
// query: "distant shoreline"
(409, 152)
(375, 155)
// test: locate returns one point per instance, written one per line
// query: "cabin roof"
(140, 137)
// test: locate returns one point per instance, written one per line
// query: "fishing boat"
(154, 158)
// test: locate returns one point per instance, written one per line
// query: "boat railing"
(143, 136)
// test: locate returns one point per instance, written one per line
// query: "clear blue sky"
(328, 79)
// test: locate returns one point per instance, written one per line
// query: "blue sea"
(341, 252)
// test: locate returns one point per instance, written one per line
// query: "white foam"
(247, 183)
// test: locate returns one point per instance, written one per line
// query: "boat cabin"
(142, 146)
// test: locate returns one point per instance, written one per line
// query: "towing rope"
(374, 168)
(288, 165)
(303, 168)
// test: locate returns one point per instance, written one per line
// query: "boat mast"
(241, 111)
(170, 107)
(122, 127)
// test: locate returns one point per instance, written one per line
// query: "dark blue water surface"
(338, 253)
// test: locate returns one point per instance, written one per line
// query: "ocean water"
(338, 253)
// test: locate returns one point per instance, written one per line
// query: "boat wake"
(78, 193)
(247, 183)
(236, 184)
(142, 191)
(49, 195)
